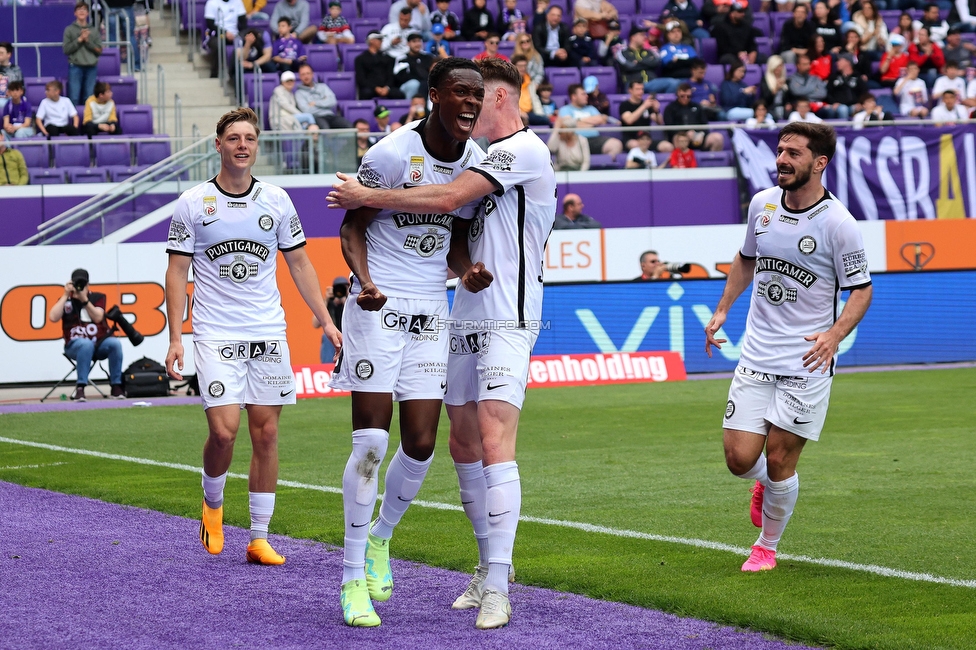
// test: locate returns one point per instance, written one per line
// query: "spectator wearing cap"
(676, 57)
(684, 112)
(438, 46)
(551, 36)
(319, 100)
(335, 28)
(395, 34)
(735, 39)
(382, 116)
(687, 12)
(795, 35)
(580, 48)
(491, 48)
(289, 52)
(419, 15)
(637, 63)
(477, 22)
(594, 96)
(447, 18)
(894, 61)
(588, 117)
(608, 46)
(374, 71)
(297, 11)
(844, 90)
(283, 111)
(410, 70)
(597, 14)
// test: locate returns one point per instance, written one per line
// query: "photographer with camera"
(86, 333)
(335, 302)
(652, 268)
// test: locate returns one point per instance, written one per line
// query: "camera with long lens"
(340, 290)
(675, 267)
(115, 315)
(80, 284)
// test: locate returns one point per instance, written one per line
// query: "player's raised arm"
(349, 194)
(352, 238)
(740, 277)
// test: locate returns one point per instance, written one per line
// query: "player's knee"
(221, 436)
(419, 448)
(737, 462)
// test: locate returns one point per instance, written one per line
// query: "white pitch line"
(588, 528)
(32, 466)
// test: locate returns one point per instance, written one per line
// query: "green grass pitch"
(891, 483)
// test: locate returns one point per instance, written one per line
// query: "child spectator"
(641, 156)
(949, 81)
(444, 16)
(56, 114)
(289, 51)
(761, 118)
(580, 49)
(438, 47)
(912, 93)
(803, 112)
(16, 115)
(682, 157)
(100, 114)
(511, 21)
(335, 28)
(950, 110)
(870, 112)
(543, 104)
(9, 72)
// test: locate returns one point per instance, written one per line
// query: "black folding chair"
(74, 369)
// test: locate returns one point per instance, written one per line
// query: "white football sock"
(778, 503)
(404, 476)
(504, 506)
(474, 500)
(758, 471)
(262, 507)
(213, 489)
(359, 485)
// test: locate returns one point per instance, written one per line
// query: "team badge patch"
(216, 388)
(364, 369)
(729, 409)
(425, 245)
(210, 205)
(775, 292)
(239, 270)
(807, 245)
(265, 222)
(416, 169)
(476, 228)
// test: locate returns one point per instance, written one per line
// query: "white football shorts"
(400, 349)
(244, 372)
(486, 365)
(794, 404)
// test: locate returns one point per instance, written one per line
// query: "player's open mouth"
(242, 156)
(466, 120)
(785, 171)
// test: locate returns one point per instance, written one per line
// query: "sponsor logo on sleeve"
(367, 176)
(467, 157)
(257, 193)
(295, 225)
(177, 232)
(817, 211)
(416, 169)
(855, 262)
(499, 160)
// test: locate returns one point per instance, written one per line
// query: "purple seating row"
(124, 89)
(103, 151)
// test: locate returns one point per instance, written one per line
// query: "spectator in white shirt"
(950, 81)
(761, 118)
(872, 112)
(56, 114)
(395, 35)
(419, 15)
(803, 112)
(950, 110)
(912, 93)
(641, 156)
(229, 15)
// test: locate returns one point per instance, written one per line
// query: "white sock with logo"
(474, 500)
(504, 505)
(778, 503)
(262, 507)
(359, 486)
(758, 471)
(213, 489)
(404, 476)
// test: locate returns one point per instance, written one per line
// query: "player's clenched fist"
(371, 298)
(348, 194)
(476, 278)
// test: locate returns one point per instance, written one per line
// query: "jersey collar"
(510, 135)
(423, 139)
(234, 196)
(782, 202)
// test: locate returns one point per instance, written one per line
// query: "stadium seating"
(375, 9)
(87, 176)
(348, 53)
(398, 107)
(109, 153)
(119, 174)
(124, 89)
(343, 84)
(467, 49)
(561, 79)
(754, 75)
(36, 152)
(652, 7)
(46, 176)
(361, 27)
(708, 50)
(150, 152)
(136, 120)
(761, 21)
(354, 110)
(323, 57)
(715, 73)
(70, 152)
(714, 158)
(606, 75)
(34, 89)
(255, 93)
(764, 46)
(109, 63)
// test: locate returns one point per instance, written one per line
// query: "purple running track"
(82, 573)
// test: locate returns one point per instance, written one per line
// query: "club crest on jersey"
(265, 222)
(729, 409)
(807, 245)
(425, 245)
(238, 270)
(476, 228)
(775, 292)
(416, 169)
(210, 205)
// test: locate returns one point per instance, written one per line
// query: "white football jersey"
(407, 252)
(509, 234)
(803, 261)
(234, 240)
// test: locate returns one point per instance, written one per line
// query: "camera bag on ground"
(145, 378)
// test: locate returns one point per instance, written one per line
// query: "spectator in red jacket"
(928, 55)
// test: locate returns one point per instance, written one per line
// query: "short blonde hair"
(238, 115)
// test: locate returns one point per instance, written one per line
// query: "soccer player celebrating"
(802, 248)
(493, 331)
(396, 339)
(230, 228)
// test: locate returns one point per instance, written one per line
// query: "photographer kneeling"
(86, 334)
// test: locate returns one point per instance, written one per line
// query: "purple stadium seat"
(507, 48)
(109, 153)
(323, 57)
(343, 84)
(72, 153)
(375, 9)
(46, 176)
(715, 72)
(761, 22)
(34, 89)
(890, 17)
(605, 74)
(625, 22)
(314, 12)
(123, 89)
(354, 110)
(561, 79)
(87, 176)
(119, 174)
(348, 53)
(109, 63)
(652, 7)
(398, 107)
(778, 19)
(764, 46)
(467, 49)
(754, 73)
(136, 120)
(361, 27)
(714, 158)
(252, 90)
(150, 152)
(615, 101)
(603, 161)
(36, 153)
(708, 50)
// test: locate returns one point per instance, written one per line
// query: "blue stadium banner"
(915, 318)
(899, 172)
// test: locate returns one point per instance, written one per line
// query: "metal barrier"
(191, 29)
(38, 45)
(178, 116)
(161, 98)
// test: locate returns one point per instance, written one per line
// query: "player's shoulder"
(834, 213)
(523, 143)
(199, 193)
(768, 199)
(269, 190)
